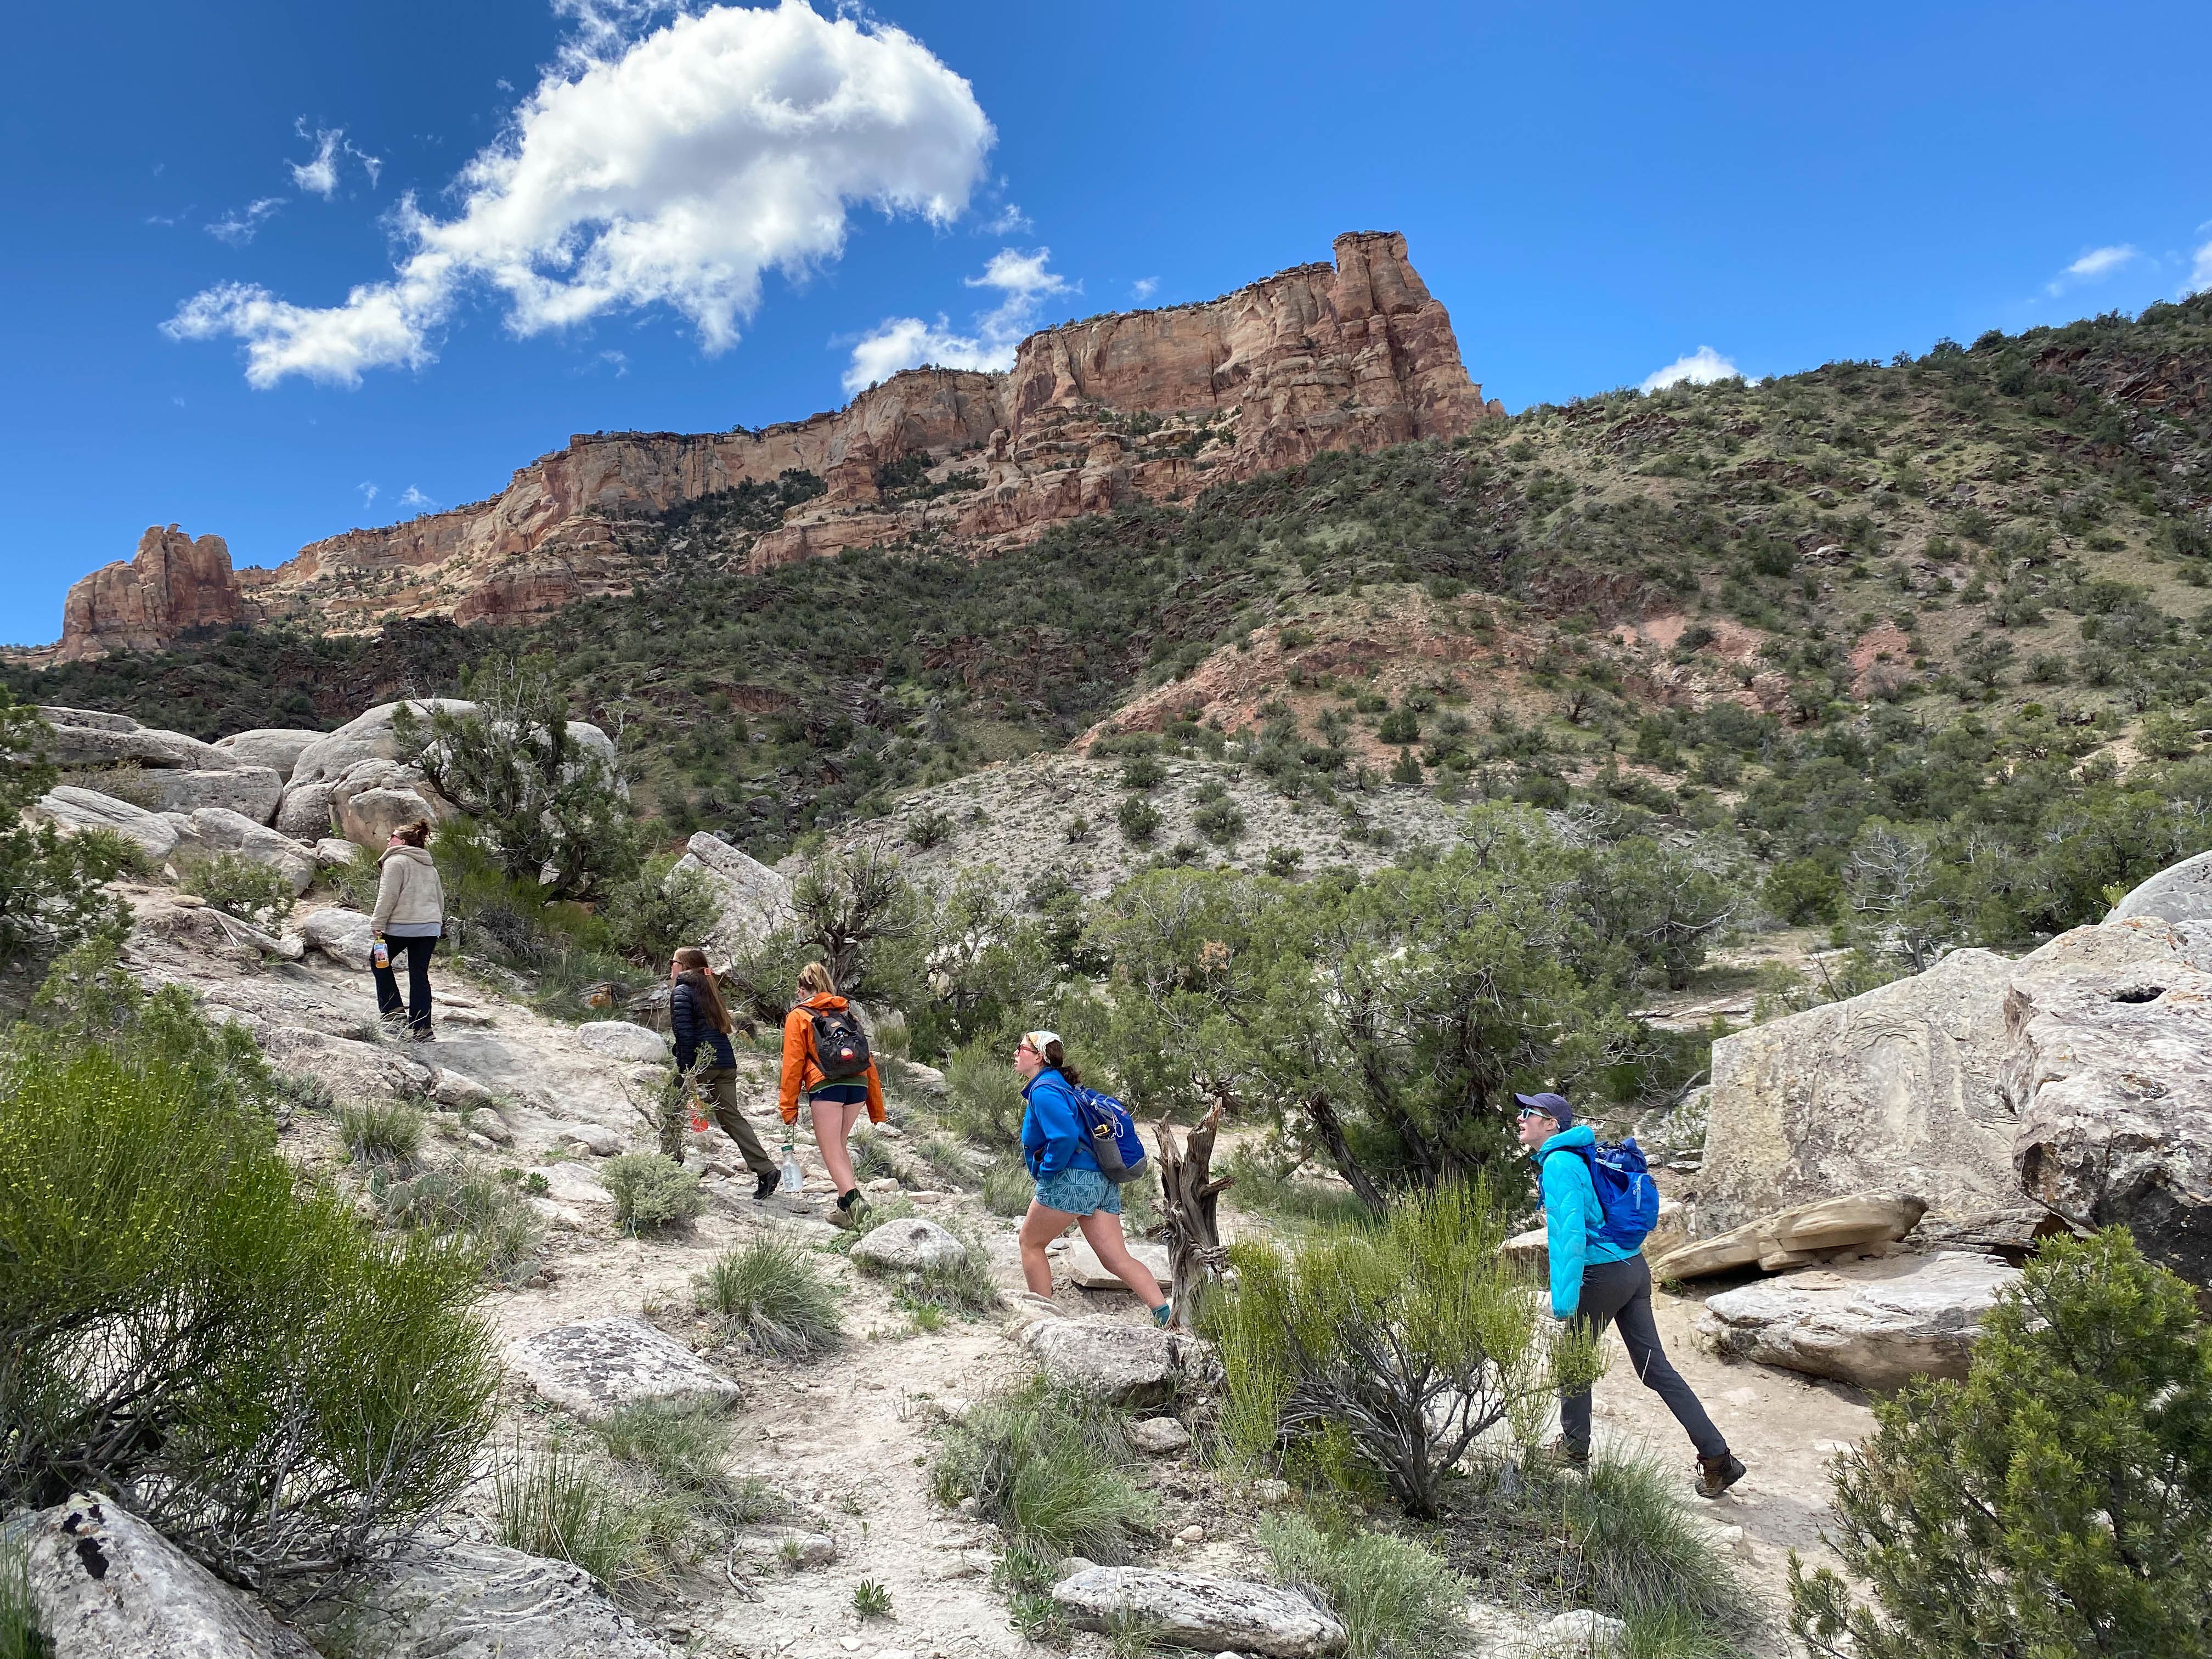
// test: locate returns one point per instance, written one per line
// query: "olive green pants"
(719, 1085)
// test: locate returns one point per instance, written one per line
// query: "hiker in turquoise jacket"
(1595, 1283)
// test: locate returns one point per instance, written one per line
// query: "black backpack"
(841, 1047)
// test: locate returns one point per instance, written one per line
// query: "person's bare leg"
(1104, 1233)
(1039, 1228)
(831, 1126)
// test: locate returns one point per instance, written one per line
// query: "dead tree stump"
(1189, 1194)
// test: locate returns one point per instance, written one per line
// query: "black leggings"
(1619, 1293)
(417, 953)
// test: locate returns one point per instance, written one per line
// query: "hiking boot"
(1564, 1454)
(1716, 1475)
(764, 1185)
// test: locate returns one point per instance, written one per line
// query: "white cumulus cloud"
(1701, 367)
(898, 343)
(241, 225)
(2096, 263)
(1143, 288)
(416, 501)
(672, 170)
(2200, 275)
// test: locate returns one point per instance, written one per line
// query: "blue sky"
(1596, 192)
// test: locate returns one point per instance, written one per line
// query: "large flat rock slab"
(595, 1368)
(1108, 1359)
(1786, 1238)
(107, 1586)
(1877, 1324)
(1088, 1271)
(2110, 1072)
(1213, 1615)
(446, 1599)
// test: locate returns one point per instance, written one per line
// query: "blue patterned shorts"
(1079, 1191)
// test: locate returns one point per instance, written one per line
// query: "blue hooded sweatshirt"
(1052, 1130)
(1572, 1215)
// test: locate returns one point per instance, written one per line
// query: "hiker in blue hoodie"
(1595, 1283)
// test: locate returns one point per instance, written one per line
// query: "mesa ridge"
(1148, 405)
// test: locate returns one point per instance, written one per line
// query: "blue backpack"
(1113, 1135)
(1626, 1192)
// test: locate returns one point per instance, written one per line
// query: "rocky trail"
(842, 1438)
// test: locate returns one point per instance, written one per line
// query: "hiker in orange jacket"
(836, 1105)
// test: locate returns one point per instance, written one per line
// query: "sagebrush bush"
(479, 1212)
(557, 1504)
(381, 1131)
(2058, 1501)
(185, 1319)
(1397, 1598)
(683, 1448)
(983, 1098)
(1409, 1342)
(774, 1297)
(238, 887)
(651, 1192)
(1051, 1467)
(1009, 1187)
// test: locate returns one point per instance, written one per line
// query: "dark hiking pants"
(1619, 1293)
(417, 953)
(719, 1084)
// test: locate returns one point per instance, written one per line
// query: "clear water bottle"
(794, 1176)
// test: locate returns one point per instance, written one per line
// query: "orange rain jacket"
(801, 1074)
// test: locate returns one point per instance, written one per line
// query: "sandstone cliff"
(1149, 405)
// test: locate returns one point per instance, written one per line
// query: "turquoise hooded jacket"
(1572, 1215)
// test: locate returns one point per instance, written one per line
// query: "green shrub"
(185, 1319)
(983, 1098)
(1219, 822)
(381, 1131)
(1396, 1598)
(238, 887)
(1408, 1342)
(355, 881)
(20, 1635)
(928, 827)
(1140, 820)
(870, 1600)
(652, 1193)
(557, 1506)
(479, 1212)
(1803, 890)
(1051, 1468)
(2058, 1501)
(1009, 1187)
(1142, 772)
(683, 1449)
(774, 1297)
(659, 910)
(1265, 1188)
(1283, 862)
(52, 895)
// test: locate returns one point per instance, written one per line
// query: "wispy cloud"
(674, 169)
(1143, 288)
(368, 494)
(1701, 367)
(319, 174)
(414, 500)
(2200, 274)
(2096, 263)
(241, 225)
(1009, 221)
(1023, 280)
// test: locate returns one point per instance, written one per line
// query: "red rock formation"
(173, 585)
(1354, 354)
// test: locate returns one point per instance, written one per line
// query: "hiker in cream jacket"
(410, 915)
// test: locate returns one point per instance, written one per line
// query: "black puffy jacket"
(688, 1023)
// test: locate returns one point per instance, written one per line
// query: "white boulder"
(1085, 1269)
(252, 792)
(449, 1598)
(1193, 1610)
(1505, 1633)
(105, 1585)
(618, 1039)
(367, 736)
(70, 809)
(1877, 1324)
(909, 1245)
(351, 1070)
(346, 937)
(304, 814)
(755, 900)
(86, 737)
(218, 830)
(1123, 1363)
(597, 1368)
(276, 747)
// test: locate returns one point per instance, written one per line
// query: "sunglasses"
(1533, 1111)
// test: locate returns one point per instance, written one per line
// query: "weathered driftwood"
(1190, 1194)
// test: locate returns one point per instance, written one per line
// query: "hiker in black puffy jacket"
(697, 1019)
(1595, 1283)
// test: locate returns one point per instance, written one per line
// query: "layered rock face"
(1149, 405)
(172, 586)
